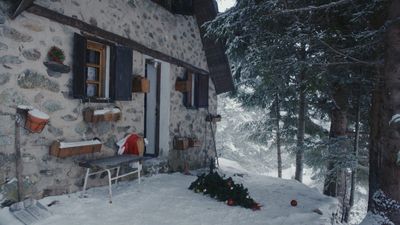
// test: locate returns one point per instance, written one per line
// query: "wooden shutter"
(121, 73)
(187, 96)
(79, 61)
(201, 91)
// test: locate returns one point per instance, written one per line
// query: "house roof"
(204, 11)
(218, 64)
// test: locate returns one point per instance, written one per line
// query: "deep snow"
(165, 199)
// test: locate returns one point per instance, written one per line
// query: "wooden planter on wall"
(97, 115)
(213, 118)
(181, 143)
(140, 84)
(194, 142)
(183, 86)
(67, 149)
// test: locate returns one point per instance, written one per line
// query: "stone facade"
(26, 79)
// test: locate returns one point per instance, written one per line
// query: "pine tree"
(273, 44)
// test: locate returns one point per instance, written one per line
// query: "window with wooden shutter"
(102, 72)
(196, 93)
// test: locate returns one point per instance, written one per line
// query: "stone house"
(107, 44)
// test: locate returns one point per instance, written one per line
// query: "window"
(102, 71)
(197, 94)
(95, 70)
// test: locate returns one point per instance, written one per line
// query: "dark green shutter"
(201, 91)
(79, 61)
(121, 73)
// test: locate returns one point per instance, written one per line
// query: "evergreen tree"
(310, 54)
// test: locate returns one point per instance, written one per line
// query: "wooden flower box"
(194, 142)
(213, 118)
(67, 149)
(96, 115)
(181, 143)
(140, 84)
(183, 86)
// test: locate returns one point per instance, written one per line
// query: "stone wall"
(24, 79)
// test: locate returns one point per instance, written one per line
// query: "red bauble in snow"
(293, 203)
(256, 206)
(230, 202)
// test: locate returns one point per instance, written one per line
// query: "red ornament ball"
(230, 202)
(293, 203)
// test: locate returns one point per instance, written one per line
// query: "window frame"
(117, 75)
(196, 96)
(101, 81)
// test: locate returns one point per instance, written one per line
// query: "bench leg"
(86, 179)
(109, 185)
(116, 180)
(139, 166)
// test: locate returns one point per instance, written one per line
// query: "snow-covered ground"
(233, 143)
(165, 199)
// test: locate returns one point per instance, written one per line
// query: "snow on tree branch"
(312, 7)
(348, 56)
(395, 119)
(384, 204)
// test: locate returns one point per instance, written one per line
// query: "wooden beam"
(23, 4)
(83, 26)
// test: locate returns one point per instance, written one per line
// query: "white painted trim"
(165, 106)
(107, 81)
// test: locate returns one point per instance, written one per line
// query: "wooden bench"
(112, 163)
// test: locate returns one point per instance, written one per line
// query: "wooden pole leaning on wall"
(18, 160)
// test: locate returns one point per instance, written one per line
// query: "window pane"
(92, 57)
(92, 73)
(91, 90)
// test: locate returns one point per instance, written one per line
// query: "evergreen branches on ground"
(224, 190)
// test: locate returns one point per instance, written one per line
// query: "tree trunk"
(375, 131)
(355, 152)
(278, 135)
(387, 142)
(301, 129)
(334, 177)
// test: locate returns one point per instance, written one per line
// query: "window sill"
(98, 100)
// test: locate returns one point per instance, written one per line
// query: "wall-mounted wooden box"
(213, 118)
(140, 84)
(67, 149)
(183, 85)
(194, 142)
(96, 115)
(181, 143)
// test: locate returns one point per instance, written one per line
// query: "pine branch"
(350, 57)
(345, 64)
(311, 8)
